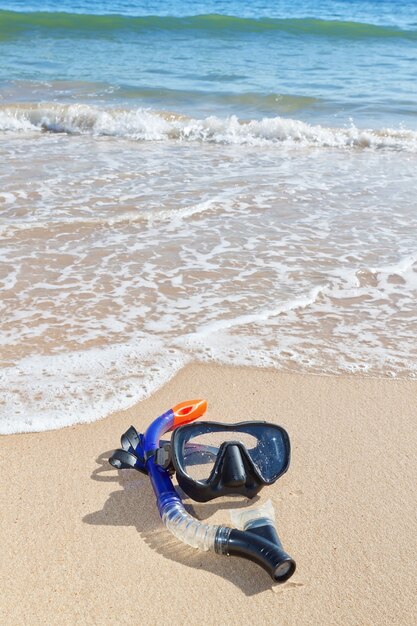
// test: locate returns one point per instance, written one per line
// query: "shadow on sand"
(134, 505)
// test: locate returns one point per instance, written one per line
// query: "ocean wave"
(276, 103)
(150, 125)
(26, 91)
(13, 23)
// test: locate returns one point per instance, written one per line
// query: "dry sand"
(83, 543)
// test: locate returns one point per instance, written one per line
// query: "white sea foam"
(259, 316)
(45, 392)
(403, 267)
(8, 228)
(121, 261)
(149, 125)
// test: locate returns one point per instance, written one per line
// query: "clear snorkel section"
(207, 537)
(253, 517)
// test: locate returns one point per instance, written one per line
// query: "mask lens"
(271, 454)
(200, 452)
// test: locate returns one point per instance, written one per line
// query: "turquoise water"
(319, 61)
(186, 181)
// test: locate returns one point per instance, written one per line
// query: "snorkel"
(255, 537)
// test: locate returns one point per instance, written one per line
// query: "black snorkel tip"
(254, 546)
(255, 538)
(284, 570)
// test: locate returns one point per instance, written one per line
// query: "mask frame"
(236, 470)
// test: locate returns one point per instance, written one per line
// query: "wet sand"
(83, 543)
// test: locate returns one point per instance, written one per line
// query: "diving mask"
(213, 459)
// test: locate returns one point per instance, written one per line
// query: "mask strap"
(130, 454)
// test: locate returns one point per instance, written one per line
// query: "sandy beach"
(216, 200)
(82, 543)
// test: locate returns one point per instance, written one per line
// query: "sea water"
(202, 181)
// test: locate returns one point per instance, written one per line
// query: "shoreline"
(83, 543)
(284, 371)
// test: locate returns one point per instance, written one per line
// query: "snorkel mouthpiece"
(248, 545)
(255, 537)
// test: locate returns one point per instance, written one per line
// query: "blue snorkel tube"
(256, 539)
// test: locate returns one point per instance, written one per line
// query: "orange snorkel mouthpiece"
(188, 411)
